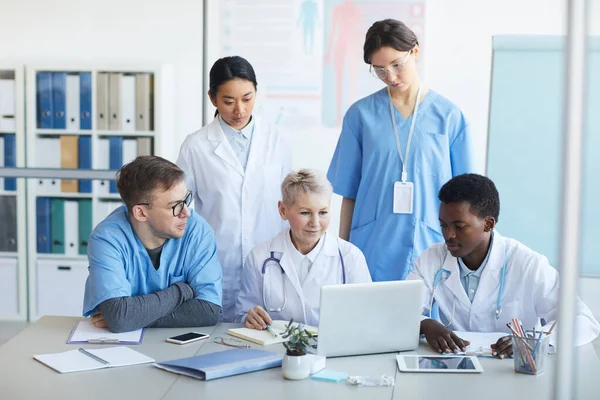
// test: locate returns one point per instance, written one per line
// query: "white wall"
(459, 47)
(115, 32)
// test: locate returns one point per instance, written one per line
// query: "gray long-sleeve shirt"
(174, 306)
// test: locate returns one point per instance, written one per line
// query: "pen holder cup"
(530, 354)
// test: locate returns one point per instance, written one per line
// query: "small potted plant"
(295, 363)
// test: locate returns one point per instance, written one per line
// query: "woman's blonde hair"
(304, 181)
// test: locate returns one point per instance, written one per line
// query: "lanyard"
(410, 132)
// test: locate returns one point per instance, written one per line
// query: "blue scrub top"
(120, 265)
(366, 164)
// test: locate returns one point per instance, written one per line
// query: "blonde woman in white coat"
(233, 167)
(481, 280)
(282, 277)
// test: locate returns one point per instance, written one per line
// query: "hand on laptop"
(503, 347)
(442, 339)
(258, 318)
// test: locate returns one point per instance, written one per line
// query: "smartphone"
(188, 338)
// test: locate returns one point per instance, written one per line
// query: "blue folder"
(43, 224)
(85, 100)
(115, 158)
(10, 160)
(45, 105)
(59, 88)
(223, 363)
(85, 162)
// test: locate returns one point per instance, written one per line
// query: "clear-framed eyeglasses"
(231, 342)
(395, 69)
(179, 206)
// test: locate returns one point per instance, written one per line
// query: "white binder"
(73, 102)
(71, 228)
(102, 186)
(130, 148)
(7, 106)
(127, 103)
(48, 156)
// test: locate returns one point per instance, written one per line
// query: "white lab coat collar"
(223, 148)
(491, 274)
(279, 247)
(298, 257)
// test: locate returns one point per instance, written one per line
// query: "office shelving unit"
(13, 249)
(112, 113)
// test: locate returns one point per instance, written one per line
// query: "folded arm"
(124, 314)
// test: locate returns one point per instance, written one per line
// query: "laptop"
(368, 318)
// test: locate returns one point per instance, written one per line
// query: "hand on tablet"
(442, 339)
(258, 318)
(503, 347)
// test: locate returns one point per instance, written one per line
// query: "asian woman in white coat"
(282, 277)
(481, 280)
(233, 167)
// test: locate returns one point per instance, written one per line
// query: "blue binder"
(85, 162)
(85, 100)
(43, 224)
(223, 363)
(115, 158)
(10, 160)
(45, 105)
(59, 88)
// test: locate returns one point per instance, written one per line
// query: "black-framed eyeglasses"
(179, 206)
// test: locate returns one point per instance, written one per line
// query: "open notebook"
(265, 338)
(90, 359)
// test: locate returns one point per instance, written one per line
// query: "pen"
(271, 331)
(95, 357)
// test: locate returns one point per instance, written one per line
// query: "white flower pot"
(296, 367)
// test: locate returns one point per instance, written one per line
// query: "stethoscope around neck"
(440, 275)
(276, 260)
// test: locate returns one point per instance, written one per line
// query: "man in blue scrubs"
(153, 263)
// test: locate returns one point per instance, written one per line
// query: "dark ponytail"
(228, 68)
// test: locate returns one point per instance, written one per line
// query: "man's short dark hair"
(137, 180)
(479, 191)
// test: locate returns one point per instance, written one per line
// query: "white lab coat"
(302, 301)
(530, 291)
(241, 206)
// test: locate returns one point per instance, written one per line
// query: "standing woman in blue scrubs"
(390, 206)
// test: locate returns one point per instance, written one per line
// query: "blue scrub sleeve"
(345, 170)
(106, 278)
(462, 152)
(204, 272)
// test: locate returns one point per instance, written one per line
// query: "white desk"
(21, 377)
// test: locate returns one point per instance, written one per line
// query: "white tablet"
(446, 364)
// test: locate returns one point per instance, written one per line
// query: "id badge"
(403, 197)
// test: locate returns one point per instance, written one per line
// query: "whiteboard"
(525, 143)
